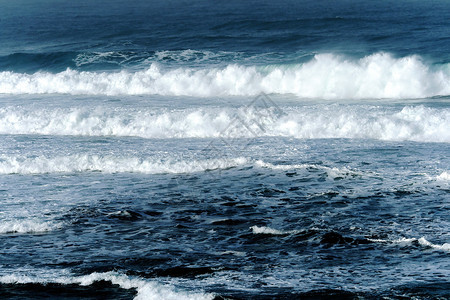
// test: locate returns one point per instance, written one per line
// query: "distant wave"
(411, 241)
(115, 60)
(401, 241)
(410, 123)
(326, 76)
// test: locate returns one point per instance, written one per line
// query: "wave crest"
(326, 76)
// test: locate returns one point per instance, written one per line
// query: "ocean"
(224, 149)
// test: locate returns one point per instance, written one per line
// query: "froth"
(110, 164)
(444, 176)
(27, 226)
(332, 172)
(326, 76)
(413, 123)
(267, 230)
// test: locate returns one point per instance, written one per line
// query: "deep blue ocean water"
(224, 149)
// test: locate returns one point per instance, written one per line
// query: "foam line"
(410, 123)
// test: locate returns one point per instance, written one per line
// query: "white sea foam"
(27, 226)
(326, 76)
(422, 241)
(444, 176)
(102, 121)
(267, 230)
(131, 164)
(110, 164)
(413, 123)
(145, 289)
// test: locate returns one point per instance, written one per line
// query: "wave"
(131, 164)
(145, 289)
(27, 226)
(411, 241)
(326, 76)
(110, 164)
(410, 123)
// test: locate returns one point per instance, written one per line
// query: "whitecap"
(444, 176)
(28, 226)
(267, 230)
(326, 76)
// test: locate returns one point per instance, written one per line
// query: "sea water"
(226, 149)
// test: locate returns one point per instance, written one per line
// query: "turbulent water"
(226, 149)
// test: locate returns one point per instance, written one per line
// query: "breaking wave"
(145, 289)
(410, 123)
(27, 226)
(326, 76)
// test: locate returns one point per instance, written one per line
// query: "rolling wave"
(326, 76)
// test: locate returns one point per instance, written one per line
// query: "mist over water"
(198, 150)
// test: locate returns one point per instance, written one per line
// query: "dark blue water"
(227, 149)
(48, 35)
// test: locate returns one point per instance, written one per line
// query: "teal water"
(191, 150)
